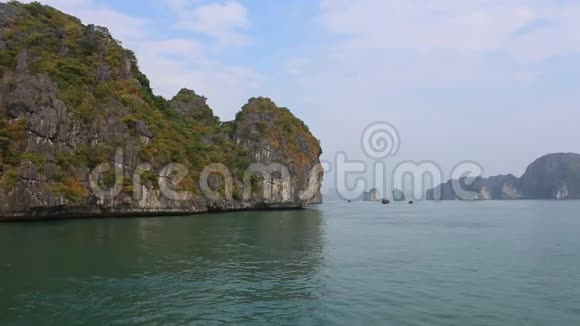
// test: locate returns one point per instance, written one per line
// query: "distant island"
(553, 176)
(372, 195)
(72, 99)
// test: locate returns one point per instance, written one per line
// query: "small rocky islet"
(71, 97)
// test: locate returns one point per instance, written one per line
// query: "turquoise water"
(449, 263)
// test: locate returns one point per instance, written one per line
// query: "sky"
(494, 82)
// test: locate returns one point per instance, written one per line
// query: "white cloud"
(224, 22)
(184, 62)
(176, 63)
(470, 26)
(381, 49)
(456, 77)
(175, 48)
(226, 86)
(178, 5)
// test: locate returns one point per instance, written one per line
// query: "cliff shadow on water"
(195, 258)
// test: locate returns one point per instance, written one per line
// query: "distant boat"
(386, 201)
(411, 202)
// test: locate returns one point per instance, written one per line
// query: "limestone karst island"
(71, 97)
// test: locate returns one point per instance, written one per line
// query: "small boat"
(411, 202)
(386, 201)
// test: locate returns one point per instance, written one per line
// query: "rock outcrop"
(82, 134)
(283, 145)
(372, 195)
(554, 176)
(398, 195)
(193, 107)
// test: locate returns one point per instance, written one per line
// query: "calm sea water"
(451, 263)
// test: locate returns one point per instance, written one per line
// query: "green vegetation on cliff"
(286, 133)
(70, 95)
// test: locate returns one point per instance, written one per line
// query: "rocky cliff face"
(554, 176)
(398, 195)
(274, 138)
(81, 133)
